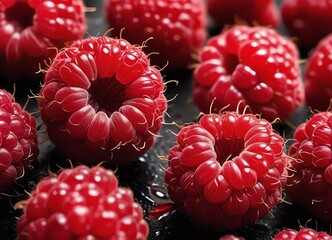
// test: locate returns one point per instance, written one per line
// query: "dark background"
(145, 174)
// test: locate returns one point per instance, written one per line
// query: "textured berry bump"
(227, 170)
(82, 203)
(102, 101)
(310, 170)
(178, 27)
(252, 66)
(252, 12)
(28, 28)
(318, 76)
(18, 140)
(303, 234)
(307, 20)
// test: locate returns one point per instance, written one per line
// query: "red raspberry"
(18, 140)
(82, 203)
(231, 237)
(303, 234)
(253, 12)
(178, 27)
(28, 28)
(252, 66)
(227, 170)
(310, 170)
(307, 20)
(102, 101)
(318, 72)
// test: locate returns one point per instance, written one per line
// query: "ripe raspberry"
(178, 27)
(82, 203)
(253, 12)
(102, 101)
(231, 237)
(227, 170)
(304, 233)
(318, 72)
(307, 20)
(18, 140)
(28, 28)
(252, 66)
(310, 170)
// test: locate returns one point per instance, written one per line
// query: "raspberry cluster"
(304, 233)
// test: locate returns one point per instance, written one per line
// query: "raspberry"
(227, 170)
(102, 101)
(178, 27)
(310, 170)
(318, 81)
(231, 237)
(28, 28)
(18, 140)
(304, 233)
(82, 203)
(253, 12)
(302, 18)
(252, 66)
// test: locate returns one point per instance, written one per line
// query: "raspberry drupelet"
(82, 203)
(102, 101)
(252, 66)
(227, 170)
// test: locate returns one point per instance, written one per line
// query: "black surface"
(145, 175)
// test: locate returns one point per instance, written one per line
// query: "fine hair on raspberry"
(18, 140)
(102, 101)
(227, 170)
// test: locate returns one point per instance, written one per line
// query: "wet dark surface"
(145, 174)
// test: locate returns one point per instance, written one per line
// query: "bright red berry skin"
(227, 170)
(231, 237)
(303, 234)
(310, 170)
(307, 20)
(82, 203)
(178, 27)
(102, 101)
(318, 72)
(29, 28)
(18, 140)
(252, 66)
(253, 12)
